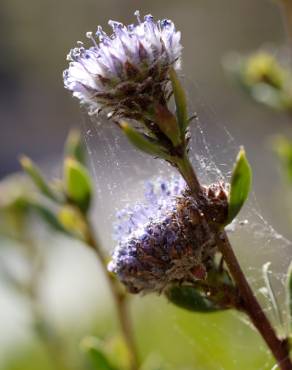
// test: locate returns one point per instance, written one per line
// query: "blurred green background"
(36, 114)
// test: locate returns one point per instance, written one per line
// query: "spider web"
(120, 173)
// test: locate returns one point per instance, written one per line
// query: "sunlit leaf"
(77, 181)
(142, 142)
(239, 186)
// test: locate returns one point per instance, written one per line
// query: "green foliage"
(180, 101)
(77, 183)
(239, 186)
(263, 77)
(191, 299)
(47, 216)
(283, 148)
(93, 348)
(74, 147)
(31, 169)
(143, 142)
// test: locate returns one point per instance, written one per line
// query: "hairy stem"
(251, 306)
(120, 299)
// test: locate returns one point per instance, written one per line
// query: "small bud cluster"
(125, 73)
(170, 239)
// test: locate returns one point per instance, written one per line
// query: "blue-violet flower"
(125, 73)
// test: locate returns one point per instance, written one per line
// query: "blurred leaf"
(153, 362)
(77, 183)
(239, 186)
(271, 294)
(143, 142)
(167, 124)
(263, 77)
(31, 169)
(283, 148)
(71, 220)
(47, 216)
(118, 352)
(289, 296)
(180, 101)
(74, 147)
(16, 192)
(191, 299)
(93, 348)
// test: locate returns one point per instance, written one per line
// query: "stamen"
(137, 14)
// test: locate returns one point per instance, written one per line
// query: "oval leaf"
(239, 186)
(78, 185)
(191, 299)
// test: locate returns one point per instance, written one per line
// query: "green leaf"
(191, 299)
(142, 142)
(31, 169)
(239, 186)
(78, 186)
(74, 147)
(289, 296)
(180, 101)
(95, 353)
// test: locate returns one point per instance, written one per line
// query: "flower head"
(168, 239)
(124, 73)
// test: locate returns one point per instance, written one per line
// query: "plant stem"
(120, 299)
(279, 347)
(186, 169)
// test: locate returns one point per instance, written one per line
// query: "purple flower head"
(123, 73)
(167, 239)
